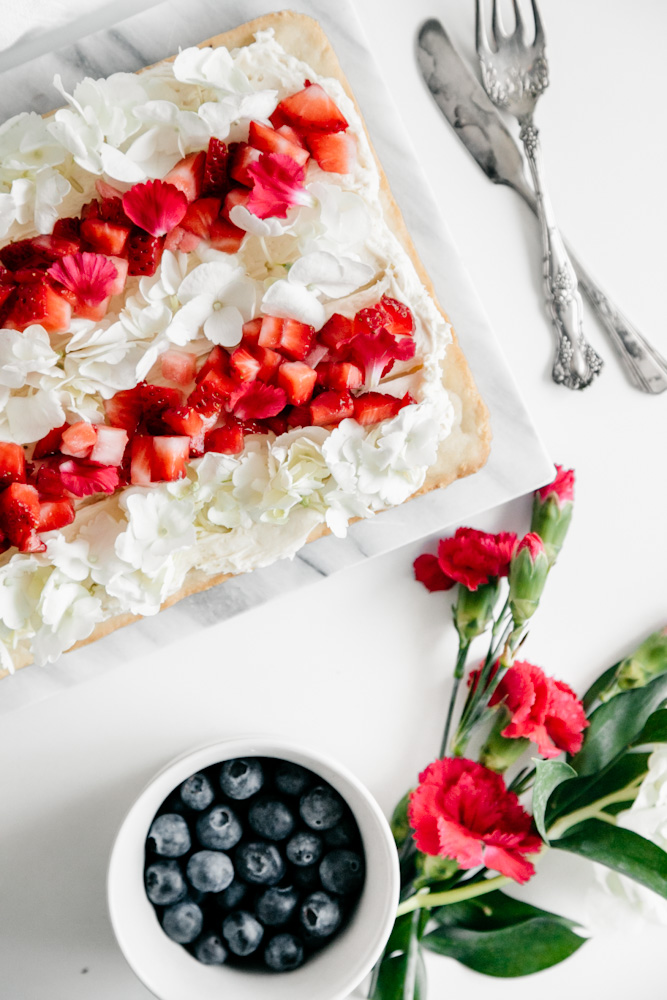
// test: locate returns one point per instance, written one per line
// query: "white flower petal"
(291, 301)
(334, 276)
(31, 417)
(224, 326)
(208, 279)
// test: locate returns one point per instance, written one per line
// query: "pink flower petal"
(278, 184)
(155, 206)
(90, 276)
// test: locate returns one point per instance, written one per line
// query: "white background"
(357, 666)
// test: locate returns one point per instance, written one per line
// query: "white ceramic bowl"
(171, 973)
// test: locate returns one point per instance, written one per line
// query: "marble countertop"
(359, 663)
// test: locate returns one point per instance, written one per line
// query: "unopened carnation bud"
(473, 611)
(552, 511)
(433, 867)
(500, 752)
(527, 576)
(647, 662)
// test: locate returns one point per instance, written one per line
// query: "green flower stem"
(458, 674)
(483, 691)
(594, 810)
(429, 900)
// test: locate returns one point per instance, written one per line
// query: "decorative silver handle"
(576, 363)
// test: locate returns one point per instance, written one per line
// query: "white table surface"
(358, 664)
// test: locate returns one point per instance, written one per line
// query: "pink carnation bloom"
(91, 276)
(278, 184)
(155, 206)
(562, 486)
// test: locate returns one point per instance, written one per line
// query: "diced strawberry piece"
(337, 332)
(277, 424)
(372, 407)
(55, 247)
(68, 229)
(48, 482)
(311, 109)
(141, 458)
(111, 210)
(32, 276)
(91, 210)
(271, 332)
(12, 463)
(178, 366)
(331, 407)
(50, 443)
(110, 445)
(19, 514)
(23, 253)
(251, 331)
(79, 439)
(144, 252)
(235, 196)
(268, 140)
(259, 401)
(105, 237)
(289, 133)
(390, 315)
(298, 381)
(340, 375)
(84, 480)
(243, 366)
(218, 361)
(6, 276)
(125, 409)
(299, 416)
(188, 175)
(296, 339)
(6, 297)
(228, 440)
(179, 239)
(335, 152)
(106, 190)
(317, 354)
(96, 312)
(169, 457)
(186, 421)
(269, 360)
(54, 514)
(212, 393)
(241, 156)
(215, 168)
(39, 304)
(120, 280)
(200, 215)
(225, 236)
(155, 399)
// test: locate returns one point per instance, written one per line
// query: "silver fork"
(514, 75)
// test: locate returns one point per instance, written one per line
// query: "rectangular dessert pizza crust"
(466, 448)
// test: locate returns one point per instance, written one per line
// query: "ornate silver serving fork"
(514, 75)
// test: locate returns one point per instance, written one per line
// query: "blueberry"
(271, 818)
(342, 871)
(275, 906)
(320, 915)
(344, 834)
(305, 848)
(219, 828)
(321, 808)
(183, 921)
(292, 779)
(307, 878)
(210, 950)
(242, 932)
(170, 835)
(164, 883)
(210, 871)
(241, 778)
(233, 895)
(197, 792)
(259, 863)
(283, 952)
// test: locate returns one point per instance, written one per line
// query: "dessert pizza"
(216, 340)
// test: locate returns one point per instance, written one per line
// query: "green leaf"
(489, 912)
(579, 792)
(655, 730)
(616, 724)
(622, 850)
(598, 686)
(548, 775)
(402, 974)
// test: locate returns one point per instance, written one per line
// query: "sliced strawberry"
(155, 399)
(78, 440)
(335, 152)
(289, 133)
(186, 421)
(318, 353)
(337, 332)
(12, 463)
(111, 210)
(170, 455)
(19, 514)
(270, 361)
(54, 514)
(268, 140)
(331, 407)
(372, 407)
(228, 440)
(235, 196)
(144, 252)
(141, 457)
(23, 253)
(225, 236)
(35, 303)
(120, 280)
(200, 215)
(212, 392)
(178, 366)
(55, 247)
(215, 168)
(218, 361)
(104, 237)
(340, 375)
(33, 276)
(179, 239)
(109, 446)
(125, 409)
(95, 312)
(188, 175)
(68, 229)
(84, 480)
(243, 366)
(6, 297)
(299, 416)
(259, 401)
(50, 443)
(296, 339)
(390, 315)
(251, 331)
(91, 210)
(298, 381)
(277, 424)
(241, 156)
(271, 332)
(311, 109)
(48, 482)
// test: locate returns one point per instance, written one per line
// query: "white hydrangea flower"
(68, 611)
(252, 224)
(217, 297)
(36, 199)
(297, 473)
(71, 557)
(164, 284)
(331, 274)
(158, 526)
(26, 146)
(172, 133)
(251, 477)
(104, 360)
(145, 321)
(29, 417)
(289, 300)
(25, 357)
(21, 582)
(339, 222)
(210, 67)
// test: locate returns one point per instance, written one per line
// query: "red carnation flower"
(543, 710)
(562, 487)
(462, 810)
(473, 557)
(533, 543)
(428, 571)
(278, 184)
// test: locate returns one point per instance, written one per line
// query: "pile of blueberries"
(257, 862)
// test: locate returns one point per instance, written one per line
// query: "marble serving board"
(518, 462)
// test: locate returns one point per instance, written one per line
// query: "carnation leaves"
(401, 974)
(622, 850)
(548, 775)
(501, 936)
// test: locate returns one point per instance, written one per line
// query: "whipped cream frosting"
(232, 514)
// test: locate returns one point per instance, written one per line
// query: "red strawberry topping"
(54, 514)
(50, 443)
(19, 516)
(188, 175)
(390, 315)
(104, 237)
(296, 339)
(225, 236)
(298, 381)
(155, 206)
(215, 168)
(178, 366)
(241, 156)
(200, 216)
(39, 303)
(259, 401)
(12, 463)
(371, 407)
(243, 366)
(228, 439)
(278, 184)
(109, 446)
(169, 457)
(331, 407)
(310, 110)
(335, 152)
(79, 439)
(144, 252)
(268, 140)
